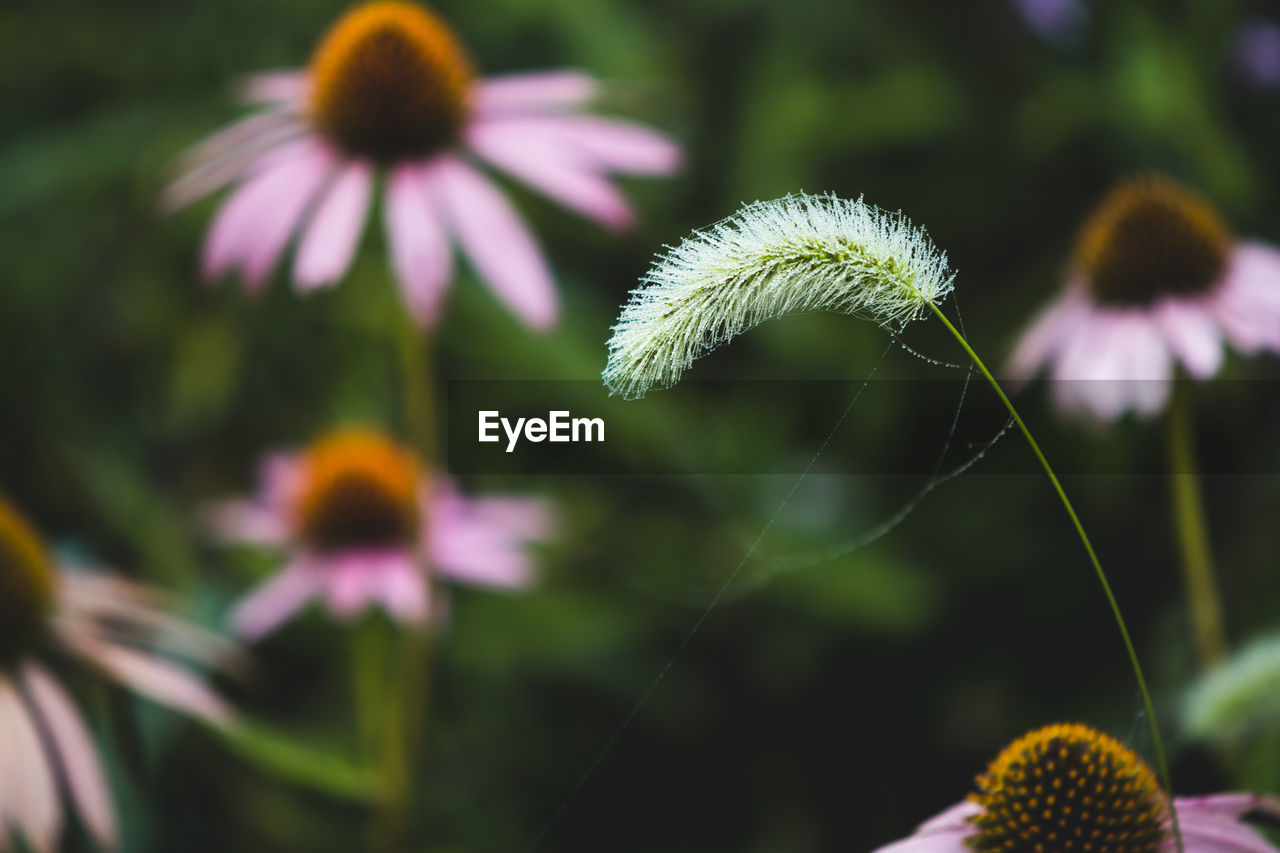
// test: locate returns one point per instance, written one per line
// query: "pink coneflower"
(390, 90)
(48, 611)
(363, 526)
(1157, 281)
(1071, 789)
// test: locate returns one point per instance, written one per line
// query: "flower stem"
(408, 696)
(1157, 742)
(1193, 532)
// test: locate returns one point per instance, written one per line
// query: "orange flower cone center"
(1068, 788)
(1152, 238)
(26, 586)
(390, 82)
(361, 491)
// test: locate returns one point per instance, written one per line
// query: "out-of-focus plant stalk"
(1187, 503)
(408, 694)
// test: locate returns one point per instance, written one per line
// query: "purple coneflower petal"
(28, 793)
(1212, 824)
(276, 87)
(548, 168)
(497, 242)
(331, 238)
(247, 521)
(1248, 302)
(156, 678)
(535, 92)
(104, 606)
(1191, 334)
(479, 544)
(77, 755)
(419, 245)
(274, 602)
(255, 224)
(403, 591)
(1056, 324)
(608, 144)
(229, 155)
(1150, 366)
(943, 833)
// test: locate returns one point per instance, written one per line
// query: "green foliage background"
(831, 708)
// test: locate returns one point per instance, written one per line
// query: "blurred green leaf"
(311, 765)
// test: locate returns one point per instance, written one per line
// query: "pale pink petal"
(274, 602)
(1150, 366)
(497, 242)
(473, 543)
(403, 592)
(1086, 372)
(28, 791)
(108, 607)
(255, 224)
(1046, 335)
(347, 584)
(547, 167)
(1248, 301)
(536, 92)
(1189, 330)
(419, 246)
(1218, 836)
(603, 144)
(246, 521)
(1212, 824)
(77, 755)
(230, 155)
(334, 231)
(283, 479)
(283, 87)
(156, 678)
(953, 817)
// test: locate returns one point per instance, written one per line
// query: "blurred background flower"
(390, 88)
(1079, 788)
(360, 525)
(1157, 286)
(117, 627)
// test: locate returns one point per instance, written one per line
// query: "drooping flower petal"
(330, 239)
(77, 756)
(274, 602)
(156, 678)
(497, 241)
(255, 224)
(28, 794)
(534, 92)
(419, 246)
(546, 168)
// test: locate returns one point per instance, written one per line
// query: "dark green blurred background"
(832, 708)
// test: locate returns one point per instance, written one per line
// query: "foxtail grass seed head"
(795, 254)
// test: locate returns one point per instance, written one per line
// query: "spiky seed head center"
(1068, 787)
(27, 586)
(1151, 238)
(360, 490)
(390, 82)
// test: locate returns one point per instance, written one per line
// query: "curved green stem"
(1157, 742)
(1193, 532)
